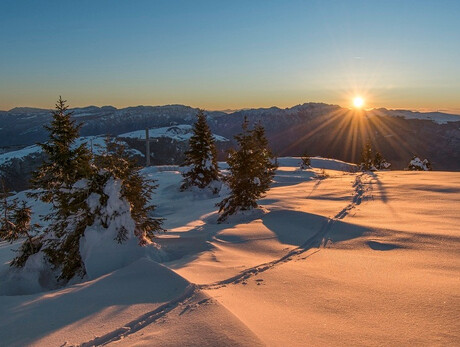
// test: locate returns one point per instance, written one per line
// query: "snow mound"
(419, 165)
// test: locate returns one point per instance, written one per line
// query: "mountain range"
(315, 129)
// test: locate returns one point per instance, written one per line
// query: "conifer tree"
(116, 164)
(7, 209)
(201, 158)
(252, 168)
(61, 181)
(23, 228)
(86, 191)
(366, 157)
(15, 223)
(369, 163)
(66, 162)
(306, 162)
(380, 162)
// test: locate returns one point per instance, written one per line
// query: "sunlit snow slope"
(333, 257)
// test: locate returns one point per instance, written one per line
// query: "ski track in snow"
(144, 320)
(316, 241)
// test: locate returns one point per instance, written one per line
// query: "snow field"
(350, 258)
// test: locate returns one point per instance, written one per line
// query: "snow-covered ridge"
(95, 143)
(181, 132)
(436, 117)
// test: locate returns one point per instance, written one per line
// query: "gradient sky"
(230, 54)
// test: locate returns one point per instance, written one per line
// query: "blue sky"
(232, 54)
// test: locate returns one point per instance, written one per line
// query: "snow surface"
(350, 259)
(181, 132)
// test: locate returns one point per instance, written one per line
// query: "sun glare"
(358, 102)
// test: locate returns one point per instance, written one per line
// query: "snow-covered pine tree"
(201, 158)
(61, 180)
(23, 228)
(366, 158)
(86, 193)
(416, 164)
(6, 212)
(15, 223)
(252, 168)
(117, 169)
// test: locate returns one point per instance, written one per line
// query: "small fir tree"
(380, 162)
(23, 228)
(201, 158)
(252, 168)
(366, 157)
(305, 162)
(369, 163)
(7, 209)
(15, 223)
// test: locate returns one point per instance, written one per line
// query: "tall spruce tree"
(201, 158)
(61, 180)
(66, 162)
(252, 168)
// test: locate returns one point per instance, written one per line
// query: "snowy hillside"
(333, 257)
(95, 143)
(181, 132)
(436, 117)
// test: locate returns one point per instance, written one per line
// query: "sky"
(230, 54)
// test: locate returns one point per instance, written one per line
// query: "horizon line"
(453, 111)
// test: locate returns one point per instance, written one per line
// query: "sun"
(358, 102)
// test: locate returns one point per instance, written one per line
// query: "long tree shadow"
(382, 189)
(289, 178)
(301, 229)
(298, 228)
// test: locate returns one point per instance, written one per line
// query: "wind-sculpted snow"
(332, 257)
